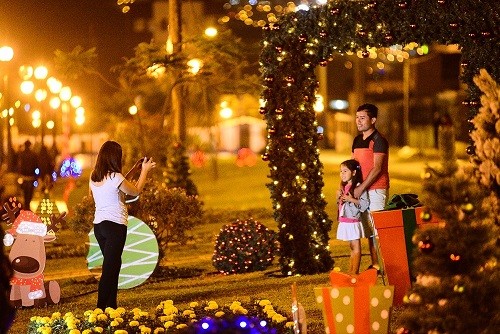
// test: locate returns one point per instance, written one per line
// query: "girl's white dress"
(350, 225)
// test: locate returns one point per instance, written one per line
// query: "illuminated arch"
(302, 40)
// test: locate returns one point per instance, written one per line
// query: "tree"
(178, 171)
(457, 275)
(148, 80)
(485, 133)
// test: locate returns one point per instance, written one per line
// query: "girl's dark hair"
(357, 178)
(109, 160)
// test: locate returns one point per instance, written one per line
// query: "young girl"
(350, 227)
(108, 187)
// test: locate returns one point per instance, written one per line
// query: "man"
(371, 150)
(28, 168)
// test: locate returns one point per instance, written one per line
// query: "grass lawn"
(239, 192)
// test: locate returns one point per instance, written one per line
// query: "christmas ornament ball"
(471, 150)
(425, 246)
(467, 207)
(426, 216)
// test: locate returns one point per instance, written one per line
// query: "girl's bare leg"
(355, 256)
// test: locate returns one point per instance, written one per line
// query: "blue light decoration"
(70, 168)
(235, 325)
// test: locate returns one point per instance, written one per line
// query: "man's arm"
(378, 160)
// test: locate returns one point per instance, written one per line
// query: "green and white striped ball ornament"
(139, 257)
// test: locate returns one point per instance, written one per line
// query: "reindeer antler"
(56, 222)
(11, 208)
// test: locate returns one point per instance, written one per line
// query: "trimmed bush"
(81, 220)
(244, 246)
(170, 213)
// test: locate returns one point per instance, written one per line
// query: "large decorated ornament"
(27, 236)
(354, 304)
(139, 257)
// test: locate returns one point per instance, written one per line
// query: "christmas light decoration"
(297, 43)
(70, 168)
(244, 246)
(236, 325)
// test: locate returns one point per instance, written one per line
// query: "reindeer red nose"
(25, 265)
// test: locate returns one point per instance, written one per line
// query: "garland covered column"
(292, 148)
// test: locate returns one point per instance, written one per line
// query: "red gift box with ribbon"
(354, 304)
(395, 230)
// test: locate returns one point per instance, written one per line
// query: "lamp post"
(55, 87)
(69, 101)
(40, 73)
(41, 89)
(6, 55)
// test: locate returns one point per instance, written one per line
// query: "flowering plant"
(259, 316)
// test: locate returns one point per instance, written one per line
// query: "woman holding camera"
(108, 186)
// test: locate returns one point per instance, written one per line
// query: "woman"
(108, 187)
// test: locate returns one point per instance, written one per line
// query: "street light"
(211, 32)
(225, 111)
(6, 55)
(68, 101)
(60, 97)
(28, 87)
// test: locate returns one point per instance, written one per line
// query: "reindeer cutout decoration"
(27, 237)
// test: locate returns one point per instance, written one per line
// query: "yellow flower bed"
(167, 318)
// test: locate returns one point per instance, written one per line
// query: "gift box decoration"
(355, 304)
(395, 230)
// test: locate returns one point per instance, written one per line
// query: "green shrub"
(244, 246)
(170, 213)
(81, 221)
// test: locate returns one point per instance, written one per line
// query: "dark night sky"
(35, 29)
